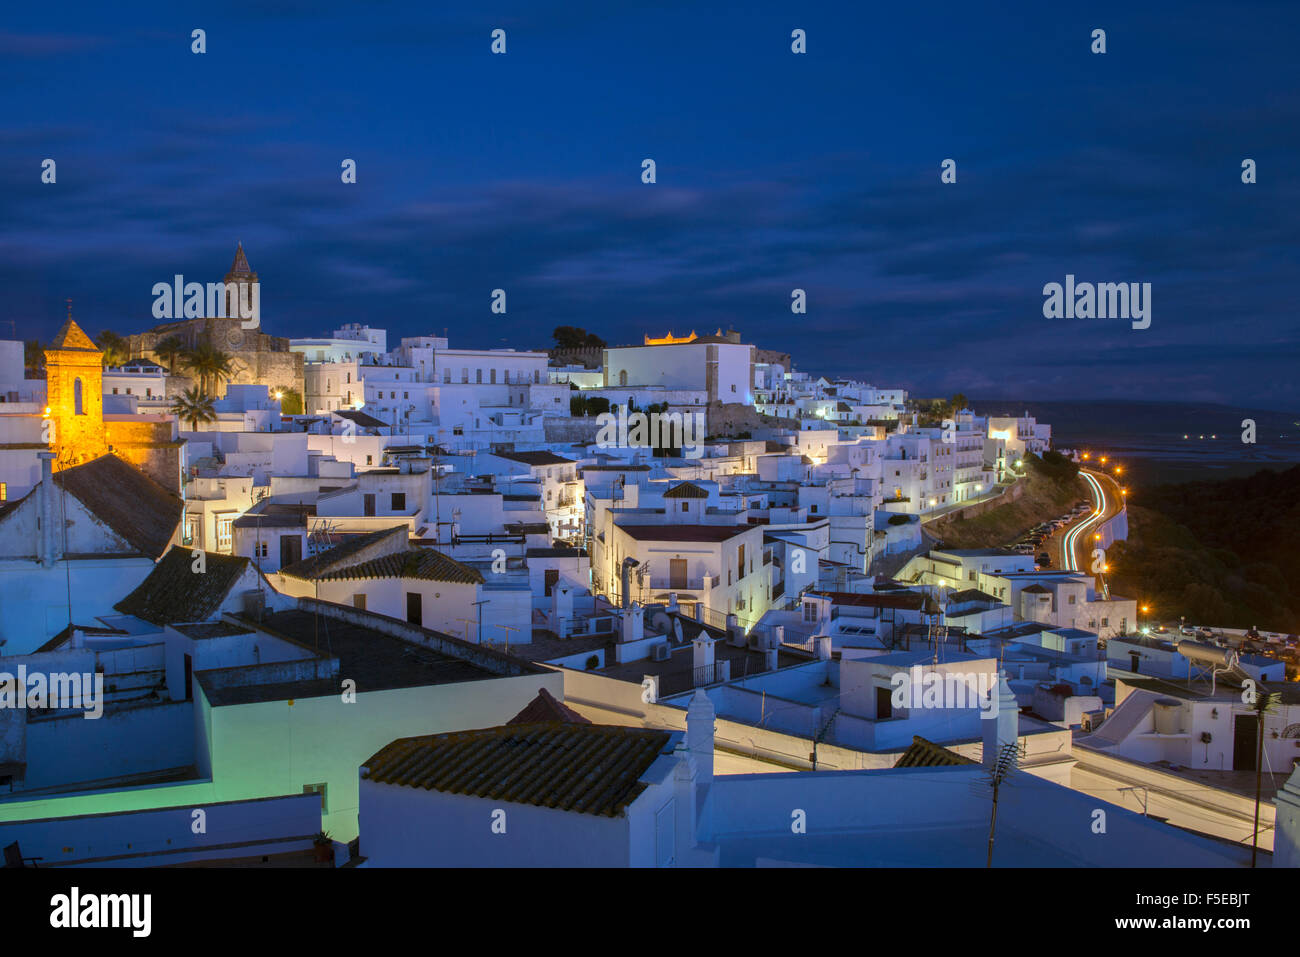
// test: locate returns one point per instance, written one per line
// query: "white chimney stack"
(561, 607)
(700, 718)
(703, 658)
(1004, 728)
(1286, 836)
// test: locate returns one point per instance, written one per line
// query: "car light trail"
(1072, 537)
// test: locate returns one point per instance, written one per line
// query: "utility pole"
(507, 629)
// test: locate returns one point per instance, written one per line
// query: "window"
(223, 532)
(4, 491)
(370, 460)
(494, 376)
(406, 395)
(464, 374)
(446, 375)
(392, 395)
(813, 509)
(259, 549)
(686, 506)
(399, 501)
(76, 398)
(349, 377)
(359, 601)
(1105, 623)
(1072, 599)
(114, 390)
(478, 376)
(323, 791)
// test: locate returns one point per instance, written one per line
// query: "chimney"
(673, 607)
(703, 658)
(634, 623)
(770, 659)
(624, 575)
(561, 606)
(47, 541)
(1002, 727)
(1286, 836)
(824, 647)
(700, 717)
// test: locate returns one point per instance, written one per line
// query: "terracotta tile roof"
(173, 592)
(423, 563)
(546, 708)
(587, 768)
(534, 458)
(686, 490)
(126, 500)
(927, 754)
(910, 601)
(972, 594)
(685, 533)
(363, 419)
(346, 553)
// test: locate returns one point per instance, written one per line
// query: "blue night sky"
(775, 171)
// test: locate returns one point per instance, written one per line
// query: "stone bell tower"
(74, 383)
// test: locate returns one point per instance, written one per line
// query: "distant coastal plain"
(1165, 442)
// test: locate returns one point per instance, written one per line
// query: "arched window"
(76, 398)
(622, 377)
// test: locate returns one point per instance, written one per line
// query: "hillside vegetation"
(1051, 486)
(1222, 553)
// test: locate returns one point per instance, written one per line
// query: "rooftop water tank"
(1168, 716)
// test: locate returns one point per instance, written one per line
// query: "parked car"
(1044, 558)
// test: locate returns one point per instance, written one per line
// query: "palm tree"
(193, 406)
(115, 349)
(33, 359)
(209, 365)
(290, 399)
(169, 350)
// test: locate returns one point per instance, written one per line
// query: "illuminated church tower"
(74, 383)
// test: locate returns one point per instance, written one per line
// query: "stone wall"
(148, 446)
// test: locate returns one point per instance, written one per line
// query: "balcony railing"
(677, 584)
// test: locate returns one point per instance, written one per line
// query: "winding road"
(1076, 545)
